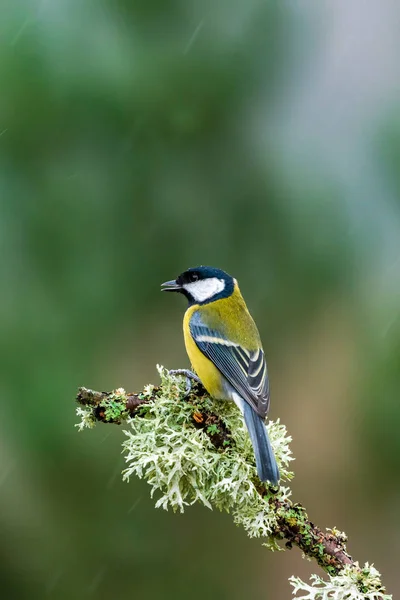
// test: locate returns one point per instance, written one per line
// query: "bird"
(225, 351)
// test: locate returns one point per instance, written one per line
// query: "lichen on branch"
(352, 583)
(195, 449)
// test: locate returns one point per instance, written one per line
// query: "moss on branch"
(191, 448)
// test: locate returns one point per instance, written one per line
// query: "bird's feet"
(189, 377)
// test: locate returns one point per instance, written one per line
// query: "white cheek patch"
(204, 289)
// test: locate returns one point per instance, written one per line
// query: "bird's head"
(201, 285)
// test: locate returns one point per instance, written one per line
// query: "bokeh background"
(138, 138)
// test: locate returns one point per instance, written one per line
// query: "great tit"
(225, 351)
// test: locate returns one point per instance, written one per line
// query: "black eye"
(194, 277)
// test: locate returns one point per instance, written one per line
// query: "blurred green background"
(138, 138)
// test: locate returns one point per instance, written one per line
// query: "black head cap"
(221, 285)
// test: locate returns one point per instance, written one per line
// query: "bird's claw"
(189, 377)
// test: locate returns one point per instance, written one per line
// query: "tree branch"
(292, 523)
(327, 548)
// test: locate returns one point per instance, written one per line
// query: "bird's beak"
(170, 286)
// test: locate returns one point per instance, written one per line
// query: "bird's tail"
(267, 468)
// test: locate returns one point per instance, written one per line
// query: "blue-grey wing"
(245, 370)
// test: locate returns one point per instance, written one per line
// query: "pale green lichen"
(352, 583)
(87, 418)
(181, 464)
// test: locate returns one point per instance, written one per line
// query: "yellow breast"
(205, 369)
